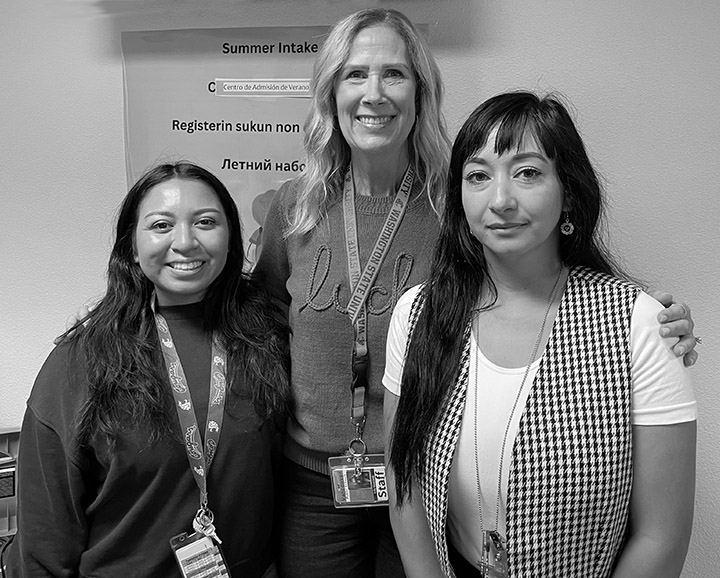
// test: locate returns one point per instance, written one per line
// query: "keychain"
(203, 523)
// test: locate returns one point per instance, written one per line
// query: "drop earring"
(567, 228)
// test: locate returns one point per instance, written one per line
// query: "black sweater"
(80, 514)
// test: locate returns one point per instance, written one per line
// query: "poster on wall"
(232, 100)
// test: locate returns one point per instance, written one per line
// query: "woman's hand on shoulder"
(71, 325)
(676, 321)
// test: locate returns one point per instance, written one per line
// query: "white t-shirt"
(662, 394)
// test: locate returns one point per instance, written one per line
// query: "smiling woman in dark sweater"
(105, 480)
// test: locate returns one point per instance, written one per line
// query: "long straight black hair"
(125, 373)
(459, 271)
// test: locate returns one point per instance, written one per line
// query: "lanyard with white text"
(199, 456)
(360, 283)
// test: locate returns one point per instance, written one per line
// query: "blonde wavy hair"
(327, 154)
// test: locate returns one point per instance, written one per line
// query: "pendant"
(494, 563)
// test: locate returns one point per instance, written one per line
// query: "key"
(204, 523)
(210, 532)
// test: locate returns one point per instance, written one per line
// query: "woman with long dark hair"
(538, 425)
(155, 422)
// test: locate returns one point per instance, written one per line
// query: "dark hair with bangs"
(517, 116)
(125, 375)
(459, 270)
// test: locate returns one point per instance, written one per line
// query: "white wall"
(644, 77)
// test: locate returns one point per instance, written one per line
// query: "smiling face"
(181, 240)
(375, 94)
(513, 202)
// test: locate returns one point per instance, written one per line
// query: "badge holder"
(198, 554)
(358, 478)
(494, 563)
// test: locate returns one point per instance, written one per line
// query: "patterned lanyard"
(360, 282)
(200, 457)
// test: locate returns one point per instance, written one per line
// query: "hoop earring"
(567, 228)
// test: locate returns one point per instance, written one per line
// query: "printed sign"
(232, 100)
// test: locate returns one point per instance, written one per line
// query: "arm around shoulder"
(676, 321)
(664, 440)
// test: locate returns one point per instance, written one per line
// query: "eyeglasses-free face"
(513, 202)
(181, 240)
(375, 94)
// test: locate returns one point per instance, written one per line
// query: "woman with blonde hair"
(342, 242)
(376, 149)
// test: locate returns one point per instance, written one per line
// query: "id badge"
(197, 555)
(494, 563)
(358, 480)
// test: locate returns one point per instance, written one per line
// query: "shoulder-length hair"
(459, 271)
(127, 383)
(327, 153)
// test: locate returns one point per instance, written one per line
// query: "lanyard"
(200, 457)
(362, 279)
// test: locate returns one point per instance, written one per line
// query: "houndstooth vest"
(571, 469)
